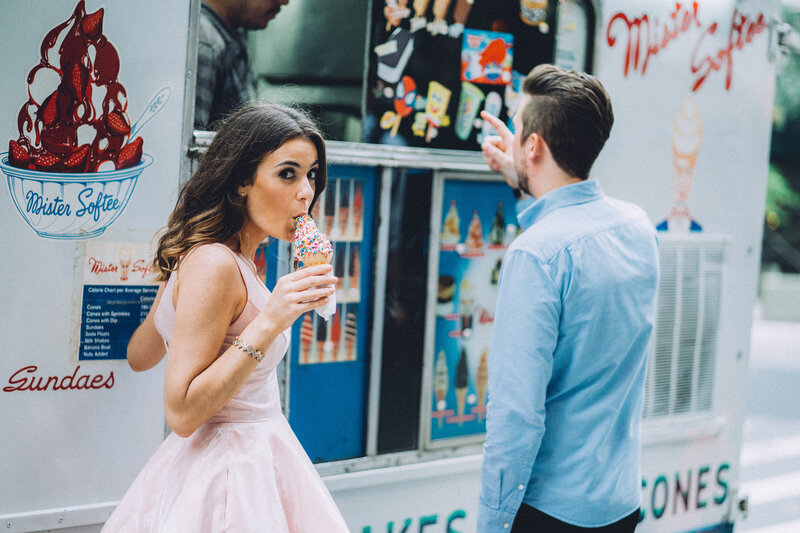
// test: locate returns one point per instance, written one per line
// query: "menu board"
(435, 64)
(478, 224)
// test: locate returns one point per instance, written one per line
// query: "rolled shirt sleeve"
(520, 367)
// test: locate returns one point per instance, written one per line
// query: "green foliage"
(782, 200)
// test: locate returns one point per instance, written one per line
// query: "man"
(225, 78)
(572, 326)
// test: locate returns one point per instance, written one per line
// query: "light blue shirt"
(567, 364)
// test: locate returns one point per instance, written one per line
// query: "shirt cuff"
(494, 520)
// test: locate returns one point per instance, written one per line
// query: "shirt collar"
(528, 212)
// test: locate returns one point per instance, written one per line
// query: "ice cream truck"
(388, 397)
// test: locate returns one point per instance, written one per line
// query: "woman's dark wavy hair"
(209, 208)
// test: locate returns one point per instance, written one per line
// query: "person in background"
(232, 463)
(225, 77)
(573, 322)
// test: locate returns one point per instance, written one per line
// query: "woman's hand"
(498, 150)
(297, 293)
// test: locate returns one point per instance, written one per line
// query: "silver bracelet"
(258, 355)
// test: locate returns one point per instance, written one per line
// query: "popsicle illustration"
(461, 12)
(436, 109)
(338, 269)
(336, 335)
(344, 206)
(441, 382)
(350, 326)
(497, 233)
(395, 11)
(481, 380)
(439, 24)
(330, 208)
(462, 375)
(322, 336)
(358, 210)
(355, 269)
(451, 233)
(306, 336)
(475, 233)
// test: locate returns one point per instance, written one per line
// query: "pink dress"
(243, 470)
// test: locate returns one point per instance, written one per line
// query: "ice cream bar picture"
(330, 206)
(322, 337)
(350, 326)
(355, 272)
(344, 206)
(336, 335)
(306, 336)
(358, 210)
(338, 266)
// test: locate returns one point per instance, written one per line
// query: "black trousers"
(531, 520)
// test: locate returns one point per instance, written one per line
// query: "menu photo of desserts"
(78, 155)
(329, 341)
(478, 224)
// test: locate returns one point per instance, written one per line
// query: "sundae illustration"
(350, 327)
(441, 382)
(687, 138)
(462, 375)
(474, 233)
(125, 255)
(451, 233)
(306, 336)
(76, 161)
(497, 233)
(481, 380)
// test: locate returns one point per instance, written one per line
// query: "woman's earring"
(242, 194)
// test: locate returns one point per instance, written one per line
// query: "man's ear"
(534, 147)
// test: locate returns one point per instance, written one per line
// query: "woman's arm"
(212, 294)
(146, 347)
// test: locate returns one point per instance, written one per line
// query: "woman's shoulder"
(210, 262)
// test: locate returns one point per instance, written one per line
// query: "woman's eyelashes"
(287, 174)
(312, 174)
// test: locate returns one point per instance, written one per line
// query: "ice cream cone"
(481, 380)
(462, 379)
(311, 247)
(461, 396)
(441, 382)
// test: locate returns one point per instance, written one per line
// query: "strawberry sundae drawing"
(76, 161)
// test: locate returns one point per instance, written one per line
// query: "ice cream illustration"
(494, 277)
(481, 380)
(344, 207)
(420, 8)
(462, 375)
(76, 161)
(474, 233)
(322, 337)
(466, 301)
(460, 16)
(533, 12)
(439, 24)
(336, 335)
(451, 233)
(358, 210)
(497, 233)
(355, 271)
(469, 103)
(306, 336)
(330, 209)
(395, 11)
(125, 255)
(338, 269)
(350, 326)
(441, 382)
(687, 139)
(436, 109)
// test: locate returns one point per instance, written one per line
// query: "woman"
(231, 462)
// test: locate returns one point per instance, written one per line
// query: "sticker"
(395, 11)
(436, 109)
(533, 12)
(419, 20)
(75, 164)
(439, 25)
(392, 64)
(460, 16)
(486, 57)
(469, 104)
(405, 99)
(494, 104)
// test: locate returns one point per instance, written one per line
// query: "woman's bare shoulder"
(212, 265)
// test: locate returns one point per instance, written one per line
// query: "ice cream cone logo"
(451, 232)
(475, 233)
(686, 140)
(441, 382)
(481, 380)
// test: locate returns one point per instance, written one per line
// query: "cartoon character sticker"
(405, 100)
(486, 57)
(77, 159)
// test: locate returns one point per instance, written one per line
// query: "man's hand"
(498, 150)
